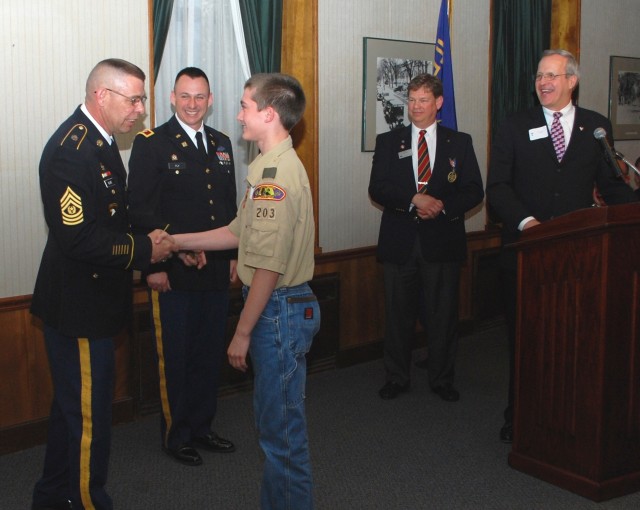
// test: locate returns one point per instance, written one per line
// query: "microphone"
(601, 135)
(621, 156)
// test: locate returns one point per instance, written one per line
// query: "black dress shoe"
(392, 390)
(506, 432)
(214, 443)
(184, 455)
(447, 393)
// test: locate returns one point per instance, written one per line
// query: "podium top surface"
(582, 221)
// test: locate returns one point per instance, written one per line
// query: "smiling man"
(182, 179)
(426, 177)
(83, 289)
(545, 162)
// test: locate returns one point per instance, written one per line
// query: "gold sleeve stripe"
(132, 250)
(87, 421)
(120, 249)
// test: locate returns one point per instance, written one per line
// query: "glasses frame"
(135, 100)
(548, 76)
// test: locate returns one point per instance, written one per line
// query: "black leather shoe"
(62, 505)
(184, 455)
(392, 390)
(447, 393)
(506, 432)
(214, 443)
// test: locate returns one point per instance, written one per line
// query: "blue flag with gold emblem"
(443, 69)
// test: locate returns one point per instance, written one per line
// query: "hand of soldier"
(193, 258)
(159, 281)
(162, 246)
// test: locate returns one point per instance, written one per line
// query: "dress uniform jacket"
(455, 180)
(525, 178)
(83, 287)
(173, 187)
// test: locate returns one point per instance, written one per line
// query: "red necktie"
(424, 166)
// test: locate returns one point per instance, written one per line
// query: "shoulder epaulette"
(147, 133)
(74, 137)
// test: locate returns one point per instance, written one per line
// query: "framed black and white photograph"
(624, 97)
(388, 67)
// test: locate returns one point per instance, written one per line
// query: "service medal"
(453, 175)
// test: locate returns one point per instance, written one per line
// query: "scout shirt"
(275, 223)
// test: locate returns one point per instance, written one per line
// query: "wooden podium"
(577, 400)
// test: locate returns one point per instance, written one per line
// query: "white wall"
(47, 49)
(347, 219)
(608, 28)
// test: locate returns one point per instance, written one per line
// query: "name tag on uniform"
(404, 154)
(537, 133)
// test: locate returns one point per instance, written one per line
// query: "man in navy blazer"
(529, 183)
(422, 239)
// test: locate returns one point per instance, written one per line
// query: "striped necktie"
(424, 165)
(557, 135)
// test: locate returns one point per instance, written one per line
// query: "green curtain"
(521, 32)
(262, 24)
(161, 18)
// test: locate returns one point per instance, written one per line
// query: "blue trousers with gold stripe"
(79, 438)
(189, 331)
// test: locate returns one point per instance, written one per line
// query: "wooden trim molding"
(300, 59)
(565, 25)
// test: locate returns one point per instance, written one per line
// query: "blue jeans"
(279, 342)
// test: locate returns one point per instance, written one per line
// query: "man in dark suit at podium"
(545, 162)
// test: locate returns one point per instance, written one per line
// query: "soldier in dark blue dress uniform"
(182, 179)
(83, 289)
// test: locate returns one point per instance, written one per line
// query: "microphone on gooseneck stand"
(601, 135)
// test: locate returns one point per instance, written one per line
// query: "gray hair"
(572, 64)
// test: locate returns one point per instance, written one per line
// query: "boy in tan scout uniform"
(274, 233)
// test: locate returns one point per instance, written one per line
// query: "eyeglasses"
(135, 100)
(549, 76)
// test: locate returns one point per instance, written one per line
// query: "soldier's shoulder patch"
(269, 192)
(74, 137)
(147, 133)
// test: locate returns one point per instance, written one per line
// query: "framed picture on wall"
(624, 97)
(388, 67)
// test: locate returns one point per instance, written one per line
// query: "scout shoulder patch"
(74, 137)
(147, 133)
(269, 173)
(71, 208)
(269, 192)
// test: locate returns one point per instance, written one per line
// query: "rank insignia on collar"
(147, 133)
(71, 208)
(99, 143)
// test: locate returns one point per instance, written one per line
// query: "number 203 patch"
(265, 213)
